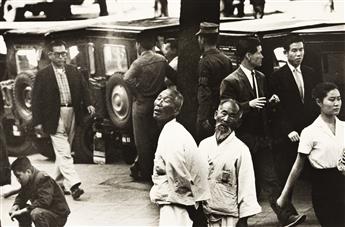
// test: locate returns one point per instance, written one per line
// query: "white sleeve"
(247, 201)
(306, 143)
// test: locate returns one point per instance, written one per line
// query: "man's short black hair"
(55, 43)
(291, 38)
(173, 43)
(21, 164)
(147, 40)
(248, 45)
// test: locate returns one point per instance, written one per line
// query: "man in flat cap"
(214, 66)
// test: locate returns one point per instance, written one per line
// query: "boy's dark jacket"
(43, 192)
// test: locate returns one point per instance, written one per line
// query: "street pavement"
(112, 198)
(275, 9)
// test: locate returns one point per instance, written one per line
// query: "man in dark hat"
(214, 66)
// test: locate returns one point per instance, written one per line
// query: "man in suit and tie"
(293, 84)
(59, 98)
(249, 87)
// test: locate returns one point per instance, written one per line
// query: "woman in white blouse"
(322, 143)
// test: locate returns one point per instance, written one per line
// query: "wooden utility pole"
(192, 13)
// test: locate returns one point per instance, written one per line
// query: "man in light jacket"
(179, 174)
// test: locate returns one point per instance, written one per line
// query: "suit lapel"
(52, 78)
(245, 81)
(291, 80)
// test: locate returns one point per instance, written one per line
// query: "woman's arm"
(293, 176)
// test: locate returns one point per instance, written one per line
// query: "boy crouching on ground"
(48, 204)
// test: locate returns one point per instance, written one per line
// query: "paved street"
(134, 9)
(137, 9)
(113, 199)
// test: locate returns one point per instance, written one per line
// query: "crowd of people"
(254, 134)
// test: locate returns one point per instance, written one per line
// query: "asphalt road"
(137, 9)
(113, 199)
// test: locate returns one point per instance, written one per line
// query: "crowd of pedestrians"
(254, 134)
(248, 129)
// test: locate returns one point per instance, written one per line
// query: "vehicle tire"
(118, 101)
(44, 146)
(12, 13)
(22, 89)
(16, 145)
(83, 141)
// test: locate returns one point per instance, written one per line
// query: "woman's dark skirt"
(328, 197)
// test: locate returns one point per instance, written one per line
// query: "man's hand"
(258, 103)
(13, 211)
(274, 99)
(91, 110)
(281, 201)
(293, 136)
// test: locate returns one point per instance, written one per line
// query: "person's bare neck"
(247, 65)
(329, 119)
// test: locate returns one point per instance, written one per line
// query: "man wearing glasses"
(59, 96)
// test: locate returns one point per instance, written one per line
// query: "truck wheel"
(118, 101)
(17, 145)
(83, 141)
(12, 13)
(22, 89)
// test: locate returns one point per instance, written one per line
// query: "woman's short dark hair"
(248, 45)
(55, 43)
(320, 90)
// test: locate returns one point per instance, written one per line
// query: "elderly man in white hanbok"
(180, 172)
(231, 172)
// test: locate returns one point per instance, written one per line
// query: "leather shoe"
(294, 220)
(76, 193)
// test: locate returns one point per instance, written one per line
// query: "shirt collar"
(58, 69)
(248, 74)
(292, 68)
(227, 140)
(146, 52)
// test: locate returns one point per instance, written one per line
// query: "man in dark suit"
(59, 97)
(248, 86)
(293, 84)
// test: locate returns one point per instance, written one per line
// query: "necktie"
(299, 82)
(254, 85)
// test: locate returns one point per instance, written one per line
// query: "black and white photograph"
(182, 113)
